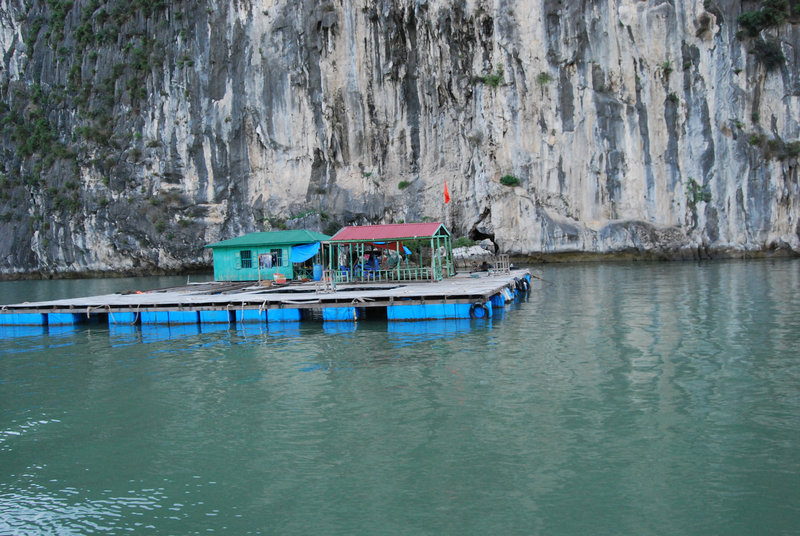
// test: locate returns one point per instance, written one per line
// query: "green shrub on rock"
(509, 180)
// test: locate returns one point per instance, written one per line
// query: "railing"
(479, 263)
(393, 274)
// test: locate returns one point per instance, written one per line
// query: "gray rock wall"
(136, 132)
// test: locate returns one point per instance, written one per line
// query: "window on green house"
(246, 258)
(277, 256)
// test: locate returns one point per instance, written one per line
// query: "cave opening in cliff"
(478, 236)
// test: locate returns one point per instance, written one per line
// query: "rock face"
(136, 132)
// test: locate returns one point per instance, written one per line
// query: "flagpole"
(446, 201)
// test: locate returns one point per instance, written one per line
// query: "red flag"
(446, 193)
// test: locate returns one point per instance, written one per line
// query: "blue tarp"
(304, 252)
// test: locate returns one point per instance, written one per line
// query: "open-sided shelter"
(258, 256)
(398, 251)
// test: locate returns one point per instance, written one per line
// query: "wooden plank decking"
(462, 296)
(463, 288)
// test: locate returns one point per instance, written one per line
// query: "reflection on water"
(621, 398)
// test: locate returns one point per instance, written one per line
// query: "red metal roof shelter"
(392, 231)
(352, 252)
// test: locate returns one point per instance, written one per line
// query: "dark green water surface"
(618, 399)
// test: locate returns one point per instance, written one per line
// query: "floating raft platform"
(470, 295)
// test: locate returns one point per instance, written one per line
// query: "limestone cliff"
(133, 133)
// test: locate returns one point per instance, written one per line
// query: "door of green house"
(273, 260)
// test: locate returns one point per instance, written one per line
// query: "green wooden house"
(259, 256)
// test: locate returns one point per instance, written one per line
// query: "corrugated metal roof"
(394, 231)
(273, 238)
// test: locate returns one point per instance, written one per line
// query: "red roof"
(393, 231)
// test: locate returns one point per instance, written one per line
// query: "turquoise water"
(618, 399)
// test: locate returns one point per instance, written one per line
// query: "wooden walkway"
(461, 296)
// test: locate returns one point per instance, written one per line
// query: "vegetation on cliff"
(133, 132)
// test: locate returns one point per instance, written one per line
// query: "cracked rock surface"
(136, 133)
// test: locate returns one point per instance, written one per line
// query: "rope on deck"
(99, 308)
(136, 315)
(107, 309)
(303, 302)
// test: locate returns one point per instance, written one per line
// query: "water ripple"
(620, 398)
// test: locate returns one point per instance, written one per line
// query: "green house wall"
(227, 264)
